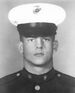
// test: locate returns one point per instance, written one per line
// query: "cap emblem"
(36, 9)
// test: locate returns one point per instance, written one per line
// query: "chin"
(39, 62)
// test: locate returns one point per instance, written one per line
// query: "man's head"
(37, 24)
(37, 42)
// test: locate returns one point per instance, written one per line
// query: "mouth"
(39, 54)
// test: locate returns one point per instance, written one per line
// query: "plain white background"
(11, 59)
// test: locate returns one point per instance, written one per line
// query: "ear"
(55, 45)
(20, 47)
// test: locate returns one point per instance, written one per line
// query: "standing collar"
(38, 78)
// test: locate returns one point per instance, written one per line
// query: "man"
(37, 24)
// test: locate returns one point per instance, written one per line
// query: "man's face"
(37, 51)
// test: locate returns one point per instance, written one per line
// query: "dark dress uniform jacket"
(25, 82)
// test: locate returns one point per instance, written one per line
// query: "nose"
(39, 43)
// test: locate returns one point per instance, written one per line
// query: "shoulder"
(10, 78)
(65, 79)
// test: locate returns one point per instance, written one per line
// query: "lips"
(39, 54)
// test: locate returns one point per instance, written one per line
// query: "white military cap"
(36, 12)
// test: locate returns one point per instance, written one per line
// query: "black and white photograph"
(37, 46)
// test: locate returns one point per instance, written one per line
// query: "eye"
(30, 39)
(47, 39)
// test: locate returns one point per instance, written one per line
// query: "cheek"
(28, 49)
(48, 51)
(49, 48)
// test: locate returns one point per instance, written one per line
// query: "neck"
(38, 70)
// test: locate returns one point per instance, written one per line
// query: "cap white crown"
(36, 12)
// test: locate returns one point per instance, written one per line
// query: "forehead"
(42, 37)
